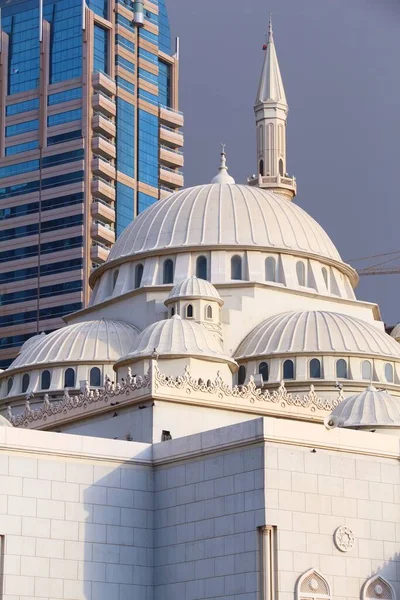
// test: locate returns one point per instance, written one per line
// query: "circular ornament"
(378, 590)
(344, 538)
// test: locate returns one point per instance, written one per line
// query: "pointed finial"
(223, 175)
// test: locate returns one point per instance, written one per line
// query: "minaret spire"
(223, 175)
(271, 110)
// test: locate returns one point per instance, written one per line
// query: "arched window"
(281, 167)
(242, 375)
(341, 369)
(209, 312)
(288, 369)
(201, 267)
(377, 588)
(301, 273)
(115, 278)
(25, 382)
(10, 382)
(389, 372)
(95, 377)
(263, 370)
(366, 370)
(315, 368)
(270, 269)
(325, 276)
(46, 380)
(189, 311)
(168, 271)
(172, 311)
(261, 168)
(312, 586)
(236, 267)
(69, 378)
(138, 275)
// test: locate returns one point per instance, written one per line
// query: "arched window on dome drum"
(10, 382)
(209, 314)
(313, 586)
(45, 380)
(366, 370)
(138, 275)
(301, 273)
(236, 267)
(389, 372)
(315, 368)
(341, 369)
(69, 378)
(95, 377)
(270, 269)
(189, 311)
(261, 168)
(25, 382)
(115, 278)
(241, 375)
(201, 267)
(263, 370)
(325, 276)
(281, 167)
(168, 271)
(288, 369)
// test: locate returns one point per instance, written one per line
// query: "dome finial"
(223, 175)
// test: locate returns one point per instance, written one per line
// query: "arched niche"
(312, 586)
(377, 588)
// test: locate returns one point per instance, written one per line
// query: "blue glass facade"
(125, 206)
(125, 137)
(148, 148)
(164, 35)
(100, 49)
(164, 83)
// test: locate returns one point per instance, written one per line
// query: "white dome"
(395, 333)
(316, 332)
(371, 408)
(193, 287)
(4, 422)
(224, 215)
(178, 337)
(31, 341)
(100, 341)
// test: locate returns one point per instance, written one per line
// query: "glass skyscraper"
(90, 135)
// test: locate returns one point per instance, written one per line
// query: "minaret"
(271, 110)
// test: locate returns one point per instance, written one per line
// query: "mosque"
(223, 419)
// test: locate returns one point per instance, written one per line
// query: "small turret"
(138, 13)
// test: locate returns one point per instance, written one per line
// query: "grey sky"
(340, 64)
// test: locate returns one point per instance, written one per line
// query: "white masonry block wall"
(76, 517)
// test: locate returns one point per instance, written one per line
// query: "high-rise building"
(90, 135)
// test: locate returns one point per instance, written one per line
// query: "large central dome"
(224, 215)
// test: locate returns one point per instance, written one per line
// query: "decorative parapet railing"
(154, 383)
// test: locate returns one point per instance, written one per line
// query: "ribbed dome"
(395, 333)
(180, 337)
(319, 332)
(371, 408)
(193, 287)
(224, 215)
(100, 341)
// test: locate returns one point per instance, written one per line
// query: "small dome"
(317, 332)
(31, 341)
(178, 337)
(395, 333)
(98, 341)
(371, 409)
(193, 287)
(224, 215)
(4, 422)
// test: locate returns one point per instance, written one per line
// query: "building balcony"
(99, 253)
(104, 104)
(165, 192)
(103, 146)
(171, 117)
(171, 137)
(275, 182)
(102, 189)
(104, 125)
(101, 232)
(170, 157)
(103, 211)
(103, 167)
(171, 178)
(103, 82)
